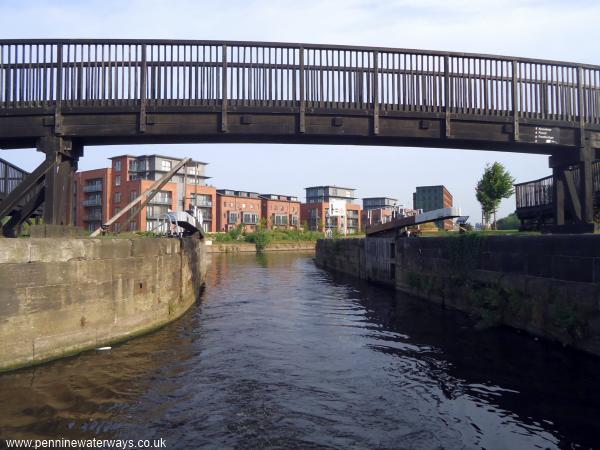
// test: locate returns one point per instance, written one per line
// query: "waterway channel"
(281, 354)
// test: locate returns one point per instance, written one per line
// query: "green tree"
(510, 222)
(495, 185)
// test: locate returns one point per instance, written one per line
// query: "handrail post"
(59, 83)
(515, 106)
(302, 109)
(143, 85)
(447, 94)
(375, 95)
(224, 91)
(580, 106)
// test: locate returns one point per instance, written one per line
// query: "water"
(280, 354)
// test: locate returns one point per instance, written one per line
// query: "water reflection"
(281, 354)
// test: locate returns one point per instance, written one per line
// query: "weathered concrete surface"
(63, 296)
(546, 285)
(238, 247)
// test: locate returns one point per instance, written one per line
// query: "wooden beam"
(573, 194)
(148, 193)
(30, 182)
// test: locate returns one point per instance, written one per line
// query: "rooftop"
(159, 156)
(330, 186)
(377, 198)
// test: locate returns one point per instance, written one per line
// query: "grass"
(265, 236)
(480, 233)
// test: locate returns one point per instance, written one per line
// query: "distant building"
(429, 198)
(102, 193)
(378, 210)
(331, 207)
(236, 208)
(280, 211)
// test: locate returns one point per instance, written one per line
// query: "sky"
(546, 29)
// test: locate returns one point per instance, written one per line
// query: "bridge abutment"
(573, 191)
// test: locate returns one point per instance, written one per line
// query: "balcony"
(154, 214)
(161, 201)
(92, 188)
(93, 218)
(203, 203)
(94, 201)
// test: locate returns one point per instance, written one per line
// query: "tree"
(510, 222)
(495, 184)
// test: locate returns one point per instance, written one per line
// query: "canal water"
(281, 354)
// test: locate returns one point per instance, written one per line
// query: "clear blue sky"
(563, 30)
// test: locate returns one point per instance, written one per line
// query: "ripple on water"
(279, 354)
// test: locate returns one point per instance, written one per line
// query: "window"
(117, 211)
(118, 165)
(133, 165)
(165, 165)
(133, 195)
(132, 225)
(280, 220)
(294, 220)
(117, 197)
(117, 227)
(250, 218)
(233, 217)
(118, 180)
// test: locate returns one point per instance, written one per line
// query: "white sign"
(337, 208)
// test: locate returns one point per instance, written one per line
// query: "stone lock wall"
(547, 285)
(62, 296)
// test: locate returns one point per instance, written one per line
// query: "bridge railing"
(10, 177)
(540, 192)
(73, 73)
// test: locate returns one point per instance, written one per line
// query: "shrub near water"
(267, 236)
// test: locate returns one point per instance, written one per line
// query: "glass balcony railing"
(95, 201)
(92, 188)
(161, 201)
(202, 203)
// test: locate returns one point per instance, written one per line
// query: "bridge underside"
(162, 124)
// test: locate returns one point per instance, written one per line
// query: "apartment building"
(429, 198)
(280, 211)
(93, 193)
(102, 193)
(331, 207)
(236, 208)
(378, 210)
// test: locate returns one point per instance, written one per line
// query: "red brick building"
(93, 191)
(236, 208)
(429, 198)
(102, 193)
(280, 211)
(317, 215)
(377, 210)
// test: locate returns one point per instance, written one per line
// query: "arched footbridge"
(61, 95)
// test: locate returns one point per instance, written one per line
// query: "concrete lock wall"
(546, 285)
(62, 296)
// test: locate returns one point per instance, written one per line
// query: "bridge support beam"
(573, 192)
(64, 154)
